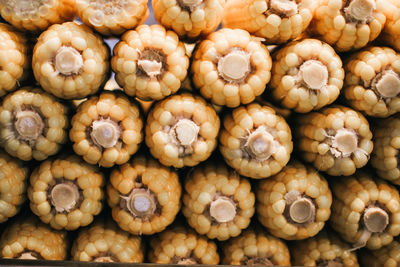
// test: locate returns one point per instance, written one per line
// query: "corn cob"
(70, 61)
(144, 196)
(189, 18)
(37, 15)
(372, 83)
(365, 211)
(150, 62)
(388, 256)
(231, 67)
(348, 24)
(217, 202)
(180, 245)
(336, 140)
(33, 124)
(256, 247)
(391, 32)
(105, 242)
(107, 129)
(306, 75)
(324, 249)
(28, 238)
(66, 193)
(255, 141)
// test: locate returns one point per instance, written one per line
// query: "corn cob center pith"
(299, 209)
(314, 74)
(27, 8)
(28, 125)
(105, 133)
(64, 195)
(29, 255)
(151, 62)
(222, 209)
(235, 66)
(284, 8)
(261, 144)
(141, 203)
(189, 5)
(184, 132)
(68, 61)
(360, 11)
(387, 84)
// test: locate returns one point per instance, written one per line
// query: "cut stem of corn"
(388, 256)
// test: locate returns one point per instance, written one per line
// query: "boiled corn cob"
(70, 61)
(33, 124)
(336, 140)
(180, 245)
(306, 75)
(231, 67)
(278, 21)
(107, 129)
(144, 196)
(66, 192)
(372, 83)
(182, 130)
(217, 201)
(295, 203)
(388, 256)
(255, 141)
(365, 211)
(150, 62)
(391, 32)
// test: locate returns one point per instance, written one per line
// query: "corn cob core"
(299, 209)
(64, 196)
(68, 61)
(29, 125)
(105, 133)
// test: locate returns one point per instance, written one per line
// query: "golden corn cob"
(32, 124)
(189, 18)
(180, 245)
(372, 83)
(37, 15)
(295, 203)
(348, 24)
(105, 242)
(107, 129)
(182, 130)
(70, 61)
(365, 211)
(217, 201)
(66, 192)
(231, 67)
(256, 247)
(150, 62)
(306, 75)
(388, 256)
(144, 196)
(255, 141)
(28, 238)
(336, 140)
(391, 31)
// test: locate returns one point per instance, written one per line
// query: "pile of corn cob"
(239, 132)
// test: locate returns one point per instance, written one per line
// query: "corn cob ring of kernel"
(217, 202)
(33, 124)
(180, 245)
(144, 196)
(255, 141)
(107, 129)
(336, 140)
(391, 32)
(365, 211)
(388, 256)
(306, 75)
(182, 130)
(189, 18)
(256, 247)
(150, 62)
(372, 83)
(278, 21)
(231, 67)
(66, 193)
(30, 239)
(70, 61)
(112, 17)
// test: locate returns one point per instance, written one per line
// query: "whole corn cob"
(231, 67)
(150, 62)
(66, 192)
(391, 31)
(372, 83)
(217, 202)
(306, 75)
(180, 245)
(32, 124)
(295, 203)
(144, 196)
(70, 61)
(28, 238)
(256, 247)
(182, 130)
(107, 129)
(388, 256)
(278, 21)
(336, 140)
(365, 211)
(255, 141)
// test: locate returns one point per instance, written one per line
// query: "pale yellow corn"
(388, 256)
(391, 31)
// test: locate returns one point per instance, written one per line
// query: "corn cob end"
(29, 125)
(299, 209)
(223, 209)
(68, 61)
(185, 132)
(64, 196)
(235, 66)
(314, 74)
(360, 10)
(387, 84)
(284, 7)
(105, 133)
(140, 203)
